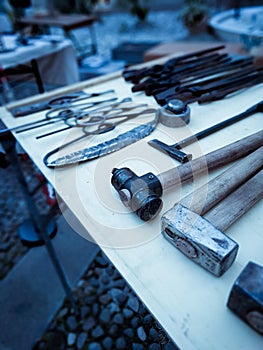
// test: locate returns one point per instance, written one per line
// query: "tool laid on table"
(172, 150)
(202, 76)
(197, 223)
(175, 114)
(65, 115)
(246, 296)
(59, 101)
(203, 92)
(142, 194)
(135, 75)
(112, 145)
(104, 117)
(224, 65)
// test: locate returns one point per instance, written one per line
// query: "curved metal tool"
(106, 147)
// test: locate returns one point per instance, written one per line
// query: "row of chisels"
(201, 76)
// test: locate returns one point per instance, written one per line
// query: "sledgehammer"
(142, 194)
(202, 238)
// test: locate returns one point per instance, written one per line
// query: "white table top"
(55, 55)
(189, 302)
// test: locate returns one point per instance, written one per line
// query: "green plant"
(137, 8)
(194, 12)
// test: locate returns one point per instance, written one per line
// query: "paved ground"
(111, 316)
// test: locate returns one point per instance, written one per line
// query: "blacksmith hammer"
(246, 296)
(202, 238)
(142, 194)
(175, 150)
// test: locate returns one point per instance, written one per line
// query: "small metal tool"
(175, 114)
(59, 101)
(172, 150)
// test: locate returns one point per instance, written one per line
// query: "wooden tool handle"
(237, 203)
(211, 161)
(207, 196)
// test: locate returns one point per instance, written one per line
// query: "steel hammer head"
(246, 296)
(199, 240)
(140, 193)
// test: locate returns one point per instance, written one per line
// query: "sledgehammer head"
(246, 296)
(199, 240)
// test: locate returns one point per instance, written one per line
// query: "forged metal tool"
(62, 115)
(222, 201)
(187, 68)
(142, 194)
(196, 92)
(175, 114)
(246, 296)
(156, 86)
(56, 102)
(103, 148)
(135, 75)
(172, 150)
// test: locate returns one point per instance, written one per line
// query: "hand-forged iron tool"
(221, 88)
(246, 296)
(188, 69)
(155, 86)
(99, 117)
(60, 114)
(135, 75)
(101, 149)
(142, 194)
(175, 114)
(222, 201)
(56, 102)
(172, 150)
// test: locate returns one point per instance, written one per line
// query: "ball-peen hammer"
(223, 201)
(142, 194)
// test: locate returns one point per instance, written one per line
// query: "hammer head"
(246, 296)
(140, 193)
(199, 240)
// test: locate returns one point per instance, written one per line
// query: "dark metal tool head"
(175, 114)
(246, 296)
(171, 150)
(140, 193)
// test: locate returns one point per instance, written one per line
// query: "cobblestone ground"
(110, 316)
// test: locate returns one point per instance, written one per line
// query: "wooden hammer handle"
(207, 196)
(224, 214)
(213, 160)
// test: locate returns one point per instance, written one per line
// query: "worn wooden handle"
(213, 160)
(237, 203)
(207, 196)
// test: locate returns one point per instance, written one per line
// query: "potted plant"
(195, 14)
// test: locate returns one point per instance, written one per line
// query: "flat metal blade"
(110, 146)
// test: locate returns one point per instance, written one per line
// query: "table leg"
(37, 75)
(8, 144)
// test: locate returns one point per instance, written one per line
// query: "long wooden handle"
(237, 203)
(213, 160)
(207, 196)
